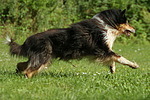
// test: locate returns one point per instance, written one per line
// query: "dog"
(92, 37)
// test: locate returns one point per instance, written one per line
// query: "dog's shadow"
(42, 74)
(57, 75)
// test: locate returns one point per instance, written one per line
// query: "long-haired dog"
(91, 37)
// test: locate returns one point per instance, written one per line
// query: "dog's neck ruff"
(98, 19)
(110, 33)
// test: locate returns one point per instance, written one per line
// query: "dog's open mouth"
(128, 32)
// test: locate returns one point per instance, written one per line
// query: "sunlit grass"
(85, 80)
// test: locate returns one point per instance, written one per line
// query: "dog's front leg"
(112, 67)
(124, 61)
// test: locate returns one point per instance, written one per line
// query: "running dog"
(92, 37)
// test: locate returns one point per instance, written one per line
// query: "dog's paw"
(135, 65)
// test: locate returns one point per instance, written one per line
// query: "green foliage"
(26, 17)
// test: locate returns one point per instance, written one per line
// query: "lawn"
(87, 81)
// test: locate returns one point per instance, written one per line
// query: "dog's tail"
(15, 49)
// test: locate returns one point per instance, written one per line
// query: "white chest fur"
(110, 37)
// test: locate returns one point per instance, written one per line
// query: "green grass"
(87, 81)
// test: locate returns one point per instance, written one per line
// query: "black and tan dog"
(92, 37)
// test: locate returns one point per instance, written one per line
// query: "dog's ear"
(123, 12)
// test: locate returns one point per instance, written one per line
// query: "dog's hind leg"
(39, 59)
(31, 71)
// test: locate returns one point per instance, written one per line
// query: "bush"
(26, 17)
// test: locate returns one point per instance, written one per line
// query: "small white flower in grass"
(77, 73)
(94, 74)
(98, 73)
(120, 50)
(84, 73)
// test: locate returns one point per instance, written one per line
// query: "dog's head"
(116, 19)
